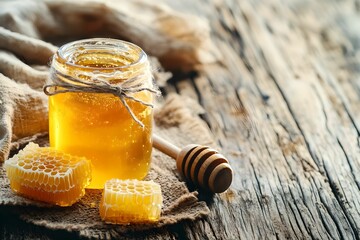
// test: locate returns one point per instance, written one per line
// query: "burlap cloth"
(180, 42)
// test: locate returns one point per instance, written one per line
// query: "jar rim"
(142, 57)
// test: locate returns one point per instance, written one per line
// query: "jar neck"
(103, 59)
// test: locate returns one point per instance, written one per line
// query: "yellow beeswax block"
(130, 201)
(48, 175)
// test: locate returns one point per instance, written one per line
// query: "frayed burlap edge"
(173, 120)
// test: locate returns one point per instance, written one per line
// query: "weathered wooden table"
(284, 104)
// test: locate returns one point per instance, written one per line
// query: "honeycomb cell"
(59, 182)
(127, 201)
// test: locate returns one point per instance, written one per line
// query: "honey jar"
(100, 106)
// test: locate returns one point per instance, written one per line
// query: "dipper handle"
(201, 165)
(165, 146)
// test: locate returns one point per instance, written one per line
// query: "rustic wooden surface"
(284, 106)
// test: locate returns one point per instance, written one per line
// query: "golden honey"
(97, 125)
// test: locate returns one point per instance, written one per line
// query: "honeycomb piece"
(130, 201)
(48, 175)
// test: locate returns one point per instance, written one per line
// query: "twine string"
(61, 83)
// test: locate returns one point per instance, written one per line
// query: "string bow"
(61, 83)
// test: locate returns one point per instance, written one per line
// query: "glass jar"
(98, 125)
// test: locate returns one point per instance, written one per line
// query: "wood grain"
(284, 105)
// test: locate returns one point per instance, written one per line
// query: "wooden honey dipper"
(201, 165)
